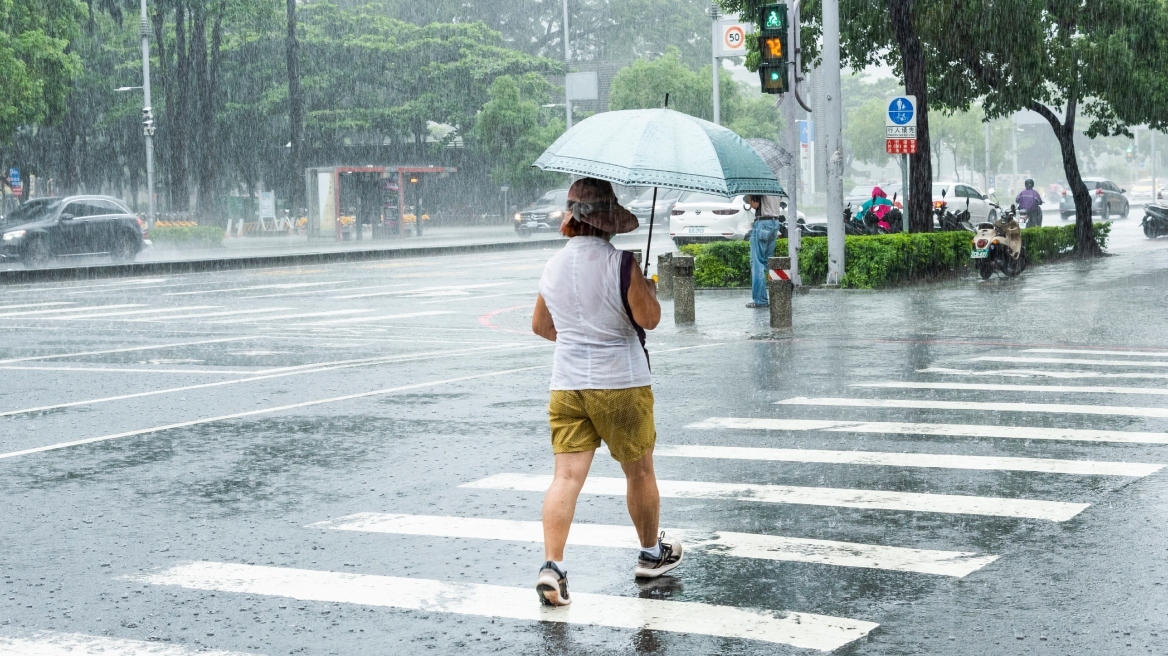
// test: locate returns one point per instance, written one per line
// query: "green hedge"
(188, 236)
(878, 260)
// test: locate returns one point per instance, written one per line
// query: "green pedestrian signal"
(772, 48)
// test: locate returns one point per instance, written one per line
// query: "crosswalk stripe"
(1146, 354)
(285, 285)
(329, 313)
(203, 315)
(944, 461)
(805, 630)
(28, 305)
(384, 317)
(987, 406)
(1098, 363)
(46, 643)
(724, 543)
(127, 313)
(1040, 373)
(1055, 511)
(39, 313)
(994, 387)
(947, 430)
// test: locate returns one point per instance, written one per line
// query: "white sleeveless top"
(597, 345)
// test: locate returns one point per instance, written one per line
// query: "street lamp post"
(567, 63)
(147, 113)
(716, 95)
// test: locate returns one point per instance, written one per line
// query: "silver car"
(1107, 200)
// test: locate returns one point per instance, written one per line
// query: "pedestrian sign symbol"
(902, 111)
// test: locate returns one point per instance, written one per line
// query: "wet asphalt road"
(182, 458)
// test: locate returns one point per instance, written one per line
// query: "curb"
(260, 261)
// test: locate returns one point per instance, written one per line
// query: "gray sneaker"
(649, 567)
(552, 586)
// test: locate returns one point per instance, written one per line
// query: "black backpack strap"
(628, 265)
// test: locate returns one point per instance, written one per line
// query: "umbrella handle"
(652, 213)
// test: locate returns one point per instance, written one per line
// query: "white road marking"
(124, 283)
(126, 313)
(214, 314)
(427, 291)
(992, 387)
(128, 349)
(1098, 363)
(1148, 354)
(806, 630)
(982, 406)
(286, 285)
(736, 545)
(685, 348)
(478, 298)
(1055, 511)
(77, 644)
(928, 460)
(261, 411)
(944, 430)
(78, 309)
(325, 291)
(270, 374)
(28, 305)
(330, 313)
(114, 370)
(407, 315)
(1039, 373)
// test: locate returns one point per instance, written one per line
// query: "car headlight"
(15, 234)
(518, 217)
(556, 215)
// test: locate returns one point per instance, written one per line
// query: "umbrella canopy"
(661, 148)
(776, 157)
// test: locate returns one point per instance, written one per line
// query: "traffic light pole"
(789, 115)
(567, 62)
(833, 120)
(714, 36)
(147, 114)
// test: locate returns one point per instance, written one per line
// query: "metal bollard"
(780, 292)
(683, 289)
(665, 276)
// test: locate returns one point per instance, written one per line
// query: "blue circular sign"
(900, 111)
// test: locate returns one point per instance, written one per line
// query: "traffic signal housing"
(772, 48)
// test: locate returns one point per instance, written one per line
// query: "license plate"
(979, 253)
(532, 224)
(696, 231)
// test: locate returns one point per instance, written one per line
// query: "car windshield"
(662, 194)
(558, 197)
(701, 197)
(33, 210)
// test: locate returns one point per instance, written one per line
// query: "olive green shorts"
(621, 418)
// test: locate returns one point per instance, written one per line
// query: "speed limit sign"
(733, 41)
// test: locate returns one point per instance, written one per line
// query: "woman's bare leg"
(559, 504)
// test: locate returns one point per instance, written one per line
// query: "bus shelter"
(343, 200)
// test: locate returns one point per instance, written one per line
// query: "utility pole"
(1152, 146)
(835, 156)
(987, 158)
(567, 62)
(1014, 146)
(714, 36)
(147, 114)
(789, 114)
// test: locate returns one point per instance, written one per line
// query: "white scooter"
(997, 246)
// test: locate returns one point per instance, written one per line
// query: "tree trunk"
(920, 191)
(295, 111)
(1064, 131)
(199, 110)
(207, 184)
(178, 93)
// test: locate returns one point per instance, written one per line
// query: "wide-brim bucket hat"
(596, 205)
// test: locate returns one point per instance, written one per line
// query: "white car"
(699, 217)
(956, 195)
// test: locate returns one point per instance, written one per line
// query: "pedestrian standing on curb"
(767, 210)
(595, 304)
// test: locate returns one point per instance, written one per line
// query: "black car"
(544, 215)
(43, 229)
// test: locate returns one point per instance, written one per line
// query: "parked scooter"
(1155, 223)
(997, 246)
